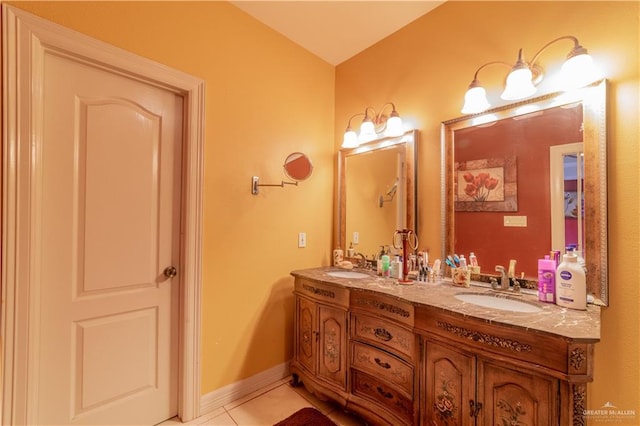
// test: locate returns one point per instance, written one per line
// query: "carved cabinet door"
(332, 345)
(515, 397)
(450, 383)
(306, 334)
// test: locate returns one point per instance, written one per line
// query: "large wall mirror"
(527, 178)
(376, 193)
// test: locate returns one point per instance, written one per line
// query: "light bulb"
(475, 100)
(350, 139)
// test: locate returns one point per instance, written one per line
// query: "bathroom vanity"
(437, 354)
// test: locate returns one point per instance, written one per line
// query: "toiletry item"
(555, 256)
(456, 260)
(461, 277)
(571, 283)
(338, 257)
(351, 252)
(396, 268)
(449, 261)
(581, 261)
(473, 260)
(385, 265)
(511, 272)
(463, 262)
(436, 268)
(547, 280)
(399, 267)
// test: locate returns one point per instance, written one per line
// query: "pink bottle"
(547, 280)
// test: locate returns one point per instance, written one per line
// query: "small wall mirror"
(376, 193)
(297, 166)
(527, 178)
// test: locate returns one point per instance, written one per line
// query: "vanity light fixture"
(577, 71)
(372, 124)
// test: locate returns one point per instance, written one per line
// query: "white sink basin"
(347, 274)
(497, 302)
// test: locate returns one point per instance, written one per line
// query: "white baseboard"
(227, 394)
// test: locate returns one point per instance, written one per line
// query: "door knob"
(170, 271)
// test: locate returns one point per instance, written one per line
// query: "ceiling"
(336, 30)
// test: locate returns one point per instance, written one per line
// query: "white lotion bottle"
(571, 283)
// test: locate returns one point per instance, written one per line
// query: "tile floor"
(268, 406)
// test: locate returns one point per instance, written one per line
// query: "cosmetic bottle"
(547, 280)
(385, 265)
(338, 257)
(571, 285)
(473, 260)
(351, 252)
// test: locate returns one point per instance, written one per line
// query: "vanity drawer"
(383, 306)
(322, 292)
(383, 395)
(384, 334)
(383, 365)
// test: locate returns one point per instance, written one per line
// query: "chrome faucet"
(504, 279)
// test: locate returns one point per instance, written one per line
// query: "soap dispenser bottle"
(571, 284)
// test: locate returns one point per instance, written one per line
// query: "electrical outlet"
(302, 239)
(356, 238)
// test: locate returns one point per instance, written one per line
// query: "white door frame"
(25, 37)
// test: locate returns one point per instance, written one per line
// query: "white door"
(93, 306)
(110, 161)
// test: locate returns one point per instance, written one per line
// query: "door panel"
(109, 225)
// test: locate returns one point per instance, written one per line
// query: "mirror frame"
(410, 142)
(594, 106)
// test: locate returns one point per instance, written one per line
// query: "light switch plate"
(356, 238)
(302, 239)
(515, 221)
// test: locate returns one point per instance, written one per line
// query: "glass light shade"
(519, 84)
(367, 131)
(578, 71)
(475, 100)
(350, 139)
(394, 126)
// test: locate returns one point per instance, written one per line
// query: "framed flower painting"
(486, 185)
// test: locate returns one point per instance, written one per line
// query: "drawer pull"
(383, 334)
(387, 395)
(382, 364)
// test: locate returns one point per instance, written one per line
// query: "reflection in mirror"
(376, 193)
(507, 195)
(297, 166)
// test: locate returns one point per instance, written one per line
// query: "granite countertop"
(553, 319)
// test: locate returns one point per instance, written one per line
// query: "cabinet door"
(515, 397)
(449, 380)
(333, 345)
(306, 334)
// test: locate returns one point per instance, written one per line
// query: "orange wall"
(425, 69)
(265, 98)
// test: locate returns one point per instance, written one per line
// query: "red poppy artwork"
(481, 185)
(486, 185)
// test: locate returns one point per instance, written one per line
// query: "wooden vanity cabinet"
(461, 388)
(320, 339)
(396, 362)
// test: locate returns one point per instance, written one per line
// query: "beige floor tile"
(223, 419)
(255, 394)
(323, 406)
(269, 408)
